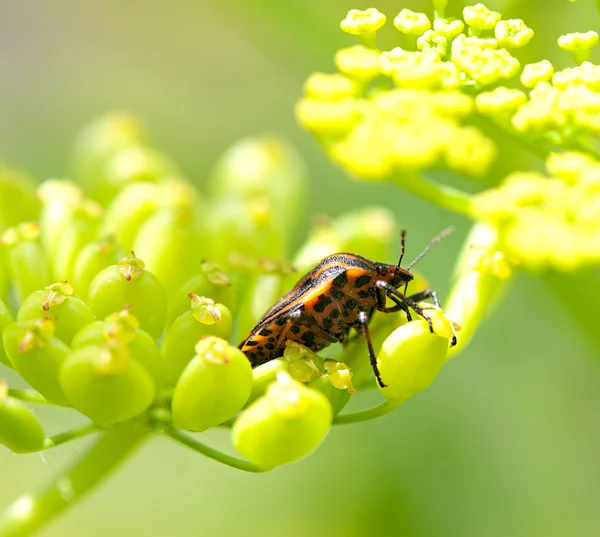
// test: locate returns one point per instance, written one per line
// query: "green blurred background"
(504, 443)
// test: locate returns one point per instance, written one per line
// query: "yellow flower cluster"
(400, 110)
(548, 221)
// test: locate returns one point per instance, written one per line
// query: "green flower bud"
(57, 302)
(213, 387)
(263, 287)
(94, 257)
(361, 23)
(128, 210)
(410, 359)
(37, 356)
(339, 375)
(264, 167)
(18, 202)
(359, 62)
(411, 23)
(338, 398)
(129, 283)
(170, 230)
(209, 281)
(123, 328)
(448, 28)
(479, 17)
(332, 87)
(96, 146)
(59, 199)
(247, 226)
(513, 33)
(264, 375)
(204, 319)
(105, 384)
(5, 319)
(534, 73)
(25, 259)
(20, 430)
(284, 425)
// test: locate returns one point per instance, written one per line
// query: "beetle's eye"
(381, 270)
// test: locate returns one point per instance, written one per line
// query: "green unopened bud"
(362, 23)
(411, 23)
(123, 328)
(57, 302)
(359, 62)
(171, 230)
(5, 320)
(96, 146)
(20, 430)
(513, 33)
(209, 281)
(479, 17)
(94, 257)
(534, 73)
(284, 425)
(206, 318)
(338, 397)
(18, 202)
(213, 387)
(410, 359)
(579, 44)
(24, 259)
(470, 151)
(37, 356)
(328, 117)
(59, 199)
(264, 375)
(105, 384)
(128, 283)
(128, 210)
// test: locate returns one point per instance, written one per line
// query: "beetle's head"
(394, 274)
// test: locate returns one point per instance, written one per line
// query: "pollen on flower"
(359, 22)
(411, 23)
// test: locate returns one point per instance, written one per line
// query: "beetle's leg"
(410, 301)
(407, 301)
(427, 293)
(363, 319)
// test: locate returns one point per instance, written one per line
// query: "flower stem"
(30, 396)
(442, 195)
(214, 454)
(32, 511)
(67, 436)
(368, 414)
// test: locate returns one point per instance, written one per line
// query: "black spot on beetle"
(337, 294)
(251, 343)
(322, 303)
(265, 332)
(294, 329)
(341, 280)
(362, 280)
(270, 346)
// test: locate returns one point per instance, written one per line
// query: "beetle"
(341, 293)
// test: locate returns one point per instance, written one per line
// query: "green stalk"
(442, 195)
(214, 454)
(63, 438)
(29, 396)
(32, 511)
(368, 414)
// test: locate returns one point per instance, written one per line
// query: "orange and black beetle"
(340, 293)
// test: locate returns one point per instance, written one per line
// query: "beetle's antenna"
(403, 243)
(435, 240)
